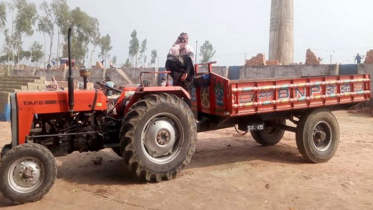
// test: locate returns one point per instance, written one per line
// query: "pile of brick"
(369, 57)
(273, 63)
(16, 83)
(10, 85)
(311, 58)
(258, 60)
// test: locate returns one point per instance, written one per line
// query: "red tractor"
(155, 129)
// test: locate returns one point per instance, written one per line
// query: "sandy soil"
(227, 172)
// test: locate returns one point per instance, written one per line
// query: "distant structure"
(281, 40)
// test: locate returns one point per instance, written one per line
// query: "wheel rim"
(322, 136)
(270, 129)
(161, 138)
(26, 174)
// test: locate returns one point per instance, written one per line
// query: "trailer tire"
(317, 135)
(28, 172)
(158, 137)
(271, 135)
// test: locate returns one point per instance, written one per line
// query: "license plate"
(255, 127)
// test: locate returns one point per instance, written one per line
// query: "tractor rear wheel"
(271, 135)
(27, 173)
(158, 137)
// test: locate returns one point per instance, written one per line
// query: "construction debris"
(311, 58)
(258, 60)
(369, 57)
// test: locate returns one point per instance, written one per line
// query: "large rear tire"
(158, 137)
(271, 135)
(27, 173)
(317, 135)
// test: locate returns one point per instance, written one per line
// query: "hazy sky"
(340, 28)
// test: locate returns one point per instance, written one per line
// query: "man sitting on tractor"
(111, 84)
(180, 62)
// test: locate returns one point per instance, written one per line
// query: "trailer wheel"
(158, 137)
(27, 173)
(271, 135)
(317, 135)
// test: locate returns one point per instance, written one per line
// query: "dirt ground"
(227, 172)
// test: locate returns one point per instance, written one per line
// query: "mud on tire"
(158, 137)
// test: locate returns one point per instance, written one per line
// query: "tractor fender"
(143, 91)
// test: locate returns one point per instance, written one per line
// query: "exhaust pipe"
(70, 80)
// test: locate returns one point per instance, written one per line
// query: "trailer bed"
(231, 98)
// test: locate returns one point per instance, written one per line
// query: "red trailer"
(262, 107)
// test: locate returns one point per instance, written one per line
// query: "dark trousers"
(178, 68)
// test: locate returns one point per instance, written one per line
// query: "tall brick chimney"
(281, 40)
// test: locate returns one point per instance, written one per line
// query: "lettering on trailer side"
(330, 89)
(283, 93)
(300, 92)
(315, 89)
(267, 95)
(346, 88)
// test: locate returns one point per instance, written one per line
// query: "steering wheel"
(105, 88)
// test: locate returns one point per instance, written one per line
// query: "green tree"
(154, 56)
(3, 59)
(145, 59)
(105, 44)
(114, 60)
(36, 52)
(206, 51)
(127, 64)
(8, 47)
(47, 24)
(62, 13)
(143, 51)
(2, 15)
(22, 25)
(95, 40)
(24, 56)
(134, 47)
(83, 34)
(26, 17)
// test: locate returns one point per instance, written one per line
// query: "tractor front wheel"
(158, 137)
(27, 173)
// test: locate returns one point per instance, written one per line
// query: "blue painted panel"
(5, 114)
(234, 72)
(348, 69)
